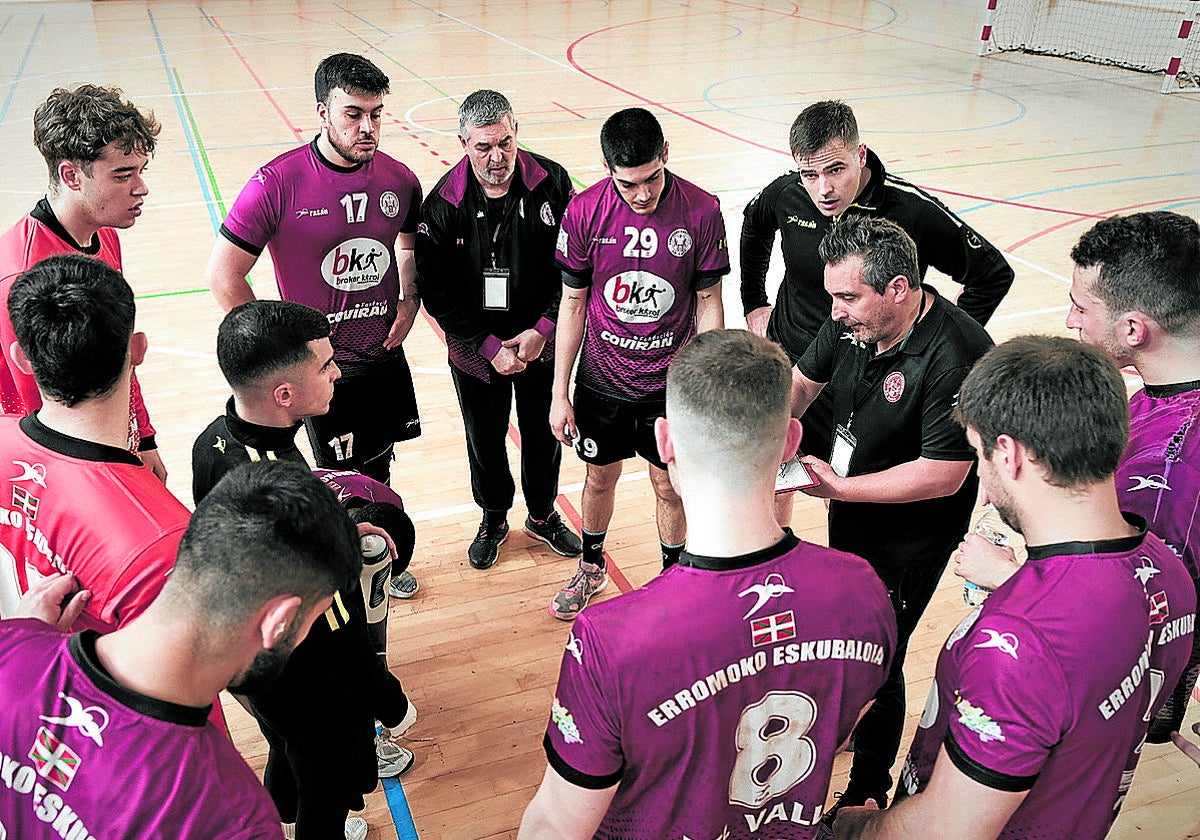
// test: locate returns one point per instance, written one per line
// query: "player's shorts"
(370, 411)
(613, 430)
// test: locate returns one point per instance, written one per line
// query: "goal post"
(1153, 36)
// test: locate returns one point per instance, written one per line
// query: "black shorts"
(370, 410)
(612, 430)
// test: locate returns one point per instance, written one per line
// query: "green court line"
(1076, 154)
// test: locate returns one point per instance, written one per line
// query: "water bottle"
(990, 527)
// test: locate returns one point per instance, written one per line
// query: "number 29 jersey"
(644, 272)
(718, 694)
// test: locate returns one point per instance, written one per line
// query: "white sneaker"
(410, 717)
(391, 759)
(356, 828)
(403, 586)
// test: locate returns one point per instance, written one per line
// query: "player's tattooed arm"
(710, 310)
(409, 303)
(572, 310)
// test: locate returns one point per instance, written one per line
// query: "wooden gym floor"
(1029, 150)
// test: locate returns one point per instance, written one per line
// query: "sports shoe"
(356, 829)
(392, 759)
(572, 598)
(405, 724)
(555, 533)
(403, 586)
(485, 548)
(851, 798)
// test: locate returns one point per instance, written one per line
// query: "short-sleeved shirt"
(90, 510)
(354, 487)
(899, 405)
(85, 757)
(332, 235)
(1050, 686)
(1159, 475)
(683, 691)
(643, 273)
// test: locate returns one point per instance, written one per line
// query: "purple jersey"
(1049, 687)
(332, 236)
(349, 484)
(719, 693)
(644, 272)
(86, 758)
(1159, 475)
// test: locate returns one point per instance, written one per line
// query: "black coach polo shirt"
(900, 407)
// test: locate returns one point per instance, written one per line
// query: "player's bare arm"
(804, 391)
(410, 302)
(572, 310)
(57, 600)
(984, 563)
(710, 310)
(914, 481)
(756, 320)
(952, 807)
(563, 811)
(226, 274)
(154, 461)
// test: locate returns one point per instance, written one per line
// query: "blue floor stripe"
(406, 829)
(20, 70)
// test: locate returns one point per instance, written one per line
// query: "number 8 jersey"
(644, 272)
(718, 694)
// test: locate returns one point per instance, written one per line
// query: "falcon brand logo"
(356, 264)
(31, 472)
(306, 213)
(639, 297)
(220, 445)
(259, 176)
(1147, 482)
(575, 647)
(805, 223)
(893, 386)
(972, 239)
(772, 587)
(389, 203)
(1145, 571)
(849, 336)
(1006, 643)
(54, 761)
(81, 718)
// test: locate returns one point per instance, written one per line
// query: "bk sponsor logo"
(356, 264)
(639, 297)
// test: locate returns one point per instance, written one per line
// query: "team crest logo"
(25, 501)
(975, 719)
(91, 721)
(773, 628)
(565, 723)
(31, 472)
(772, 587)
(893, 386)
(54, 761)
(389, 203)
(546, 214)
(679, 242)
(1159, 608)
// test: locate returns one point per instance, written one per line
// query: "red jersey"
(35, 237)
(93, 511)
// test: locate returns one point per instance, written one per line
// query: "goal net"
(1155, 36)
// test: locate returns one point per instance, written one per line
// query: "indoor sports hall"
(1029, 149)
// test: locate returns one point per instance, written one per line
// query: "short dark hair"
(262, 337)
(734, 384)
(1149, 262)
(632, 137)
(266, 529)
(352, 73)
(77, 125)
(886, 249)
(1030, 386)
(820, 124)
(73, 317)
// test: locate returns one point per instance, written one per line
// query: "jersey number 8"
(774, 751)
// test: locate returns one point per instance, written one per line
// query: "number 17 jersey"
(718, 694)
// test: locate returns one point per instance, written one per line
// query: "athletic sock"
(593, 548)
(670, 553)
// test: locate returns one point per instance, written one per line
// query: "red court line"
(262, 87)
(568, 110)
(1103, 215)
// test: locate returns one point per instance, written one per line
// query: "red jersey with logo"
(28, 242)
(84, 757)
(94, 511)
(644, 272)
(332, 235)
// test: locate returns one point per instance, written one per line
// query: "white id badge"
(843, 450)
(495, 288)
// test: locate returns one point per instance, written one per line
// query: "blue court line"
(20, 70)
(1088, 185)
(209, 199)
(397, 802)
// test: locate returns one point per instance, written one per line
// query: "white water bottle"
(991, 528)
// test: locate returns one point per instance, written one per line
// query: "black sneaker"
(485, 548)
(555, 533)
(852, 798)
